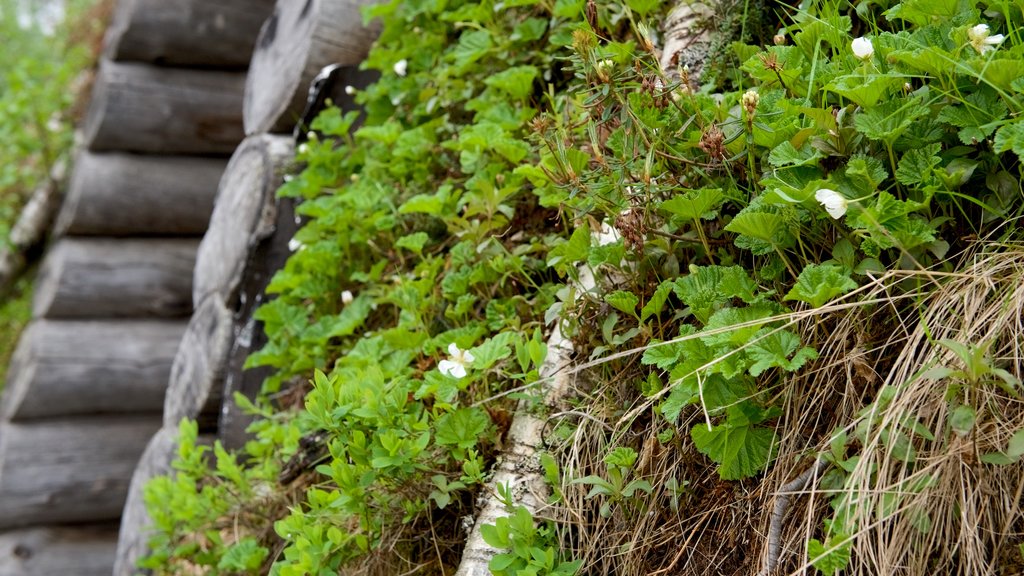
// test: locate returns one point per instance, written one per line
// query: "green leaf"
(962, 419)
(773, 351)
(462, 428)
(576, 249)
(643, 7)
(831, 559)
(516, 81)
(1011, 137)
(819, 283)
(473, 45)
(866, 90)
(493, 350)
(694, 205)
(663, 356)
(925, 12)
(786, 154)
(246, 555)
(888, 121)
(741, 451)
(708, 288)
(623, 301)
(657, 301)
(866, 172)
(918, 164)
(413, 242)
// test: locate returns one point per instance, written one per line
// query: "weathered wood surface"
(64, 471)
(117, 194)
(243, 214)
(197, 376)
(143, 108)
(80, 550)
(295, 43)
(87, 367)
(192, 33)
(108, 278)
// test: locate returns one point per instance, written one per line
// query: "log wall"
(116, 355)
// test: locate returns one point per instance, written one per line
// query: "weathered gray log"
(64, 471)
(197, 377)
(81, 550)
(193, 33)
(243, 214)
(269, 256)
(118, 194)
(143, 108)
(107, 278)
(295, 43)
(86, 367)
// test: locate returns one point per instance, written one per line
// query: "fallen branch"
(31, 228)
(519, 469)
(784, 494)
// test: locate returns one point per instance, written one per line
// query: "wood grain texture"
(197, 376)
(118, 194)
(107, 278)
(64, 471)
(193, 33)
(295, 43)
(143, 108)
(243, 214)
(81, 550)
(77, 367)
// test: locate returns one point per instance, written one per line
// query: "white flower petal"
(401, 67)
(451, 369)
(862, 48)
(834, 202)
(347, 297)
(467, 357)
(995, 40)
(453, 349)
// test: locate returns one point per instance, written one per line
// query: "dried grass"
(882, 336)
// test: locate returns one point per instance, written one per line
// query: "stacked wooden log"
(249, 230)
(86, 389)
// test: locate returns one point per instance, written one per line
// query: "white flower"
(346, 297)
(294, 245)
(350, 90)
(862, 48)
(606, 235)
(456, 366)
(834, 202)
(303, 149)
(401, 67)
(982, 40)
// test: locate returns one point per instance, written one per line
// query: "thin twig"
(779, 513)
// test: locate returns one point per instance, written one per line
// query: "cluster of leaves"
(507, 147)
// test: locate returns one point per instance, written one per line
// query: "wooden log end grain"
(106, 278)
(81, 550)
(66, 471)
(192, 33)
(64, 368)
(119, 194)
(295, 43)
(243, 214)
(197, 376)
(143, 108)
